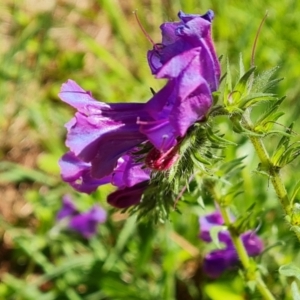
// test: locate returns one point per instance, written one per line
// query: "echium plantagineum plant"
(154, 152)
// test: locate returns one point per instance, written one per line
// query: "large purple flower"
(102, 138)
(84, 223)
(217, 261)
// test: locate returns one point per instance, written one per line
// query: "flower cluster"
(104, 139)
(217, 261)
(83, 223)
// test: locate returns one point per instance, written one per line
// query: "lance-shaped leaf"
(263, 82)
(241, 88)
(254, 98)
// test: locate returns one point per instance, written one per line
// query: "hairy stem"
(275, 177)
(273, 172)
(249, 266)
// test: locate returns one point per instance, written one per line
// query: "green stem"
(274, 173)
(250, 267)
(275, 177)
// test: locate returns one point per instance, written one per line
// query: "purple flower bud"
(217, 261)
(84, 223)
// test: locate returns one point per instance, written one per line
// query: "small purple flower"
(217, 261)
(84, 223)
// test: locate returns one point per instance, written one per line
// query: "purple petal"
(253, 244)
(206, 223)
(86, 223)
(216, 262)
(160, 133)
(100, 133)
(128, 196)
(78, 174)
(129, 173)
(192, 32)
(193, 100)
(184, 100)
(68, 208)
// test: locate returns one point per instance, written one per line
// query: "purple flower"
(103, 138)
(217, 261)
(84, 223)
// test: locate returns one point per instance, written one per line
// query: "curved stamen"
(256, 39)
(144, 31)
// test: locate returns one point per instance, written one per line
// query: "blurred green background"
(100, 45)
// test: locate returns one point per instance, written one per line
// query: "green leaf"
(12, 172)
(295, 291)
(254, 98)
(228, 78)
(214, 234)
(241, 65)
(290, 270)
(295, 192)
(232, 167)
(215, 138)
(197, 155)
(264, 116)
(286, 139)
(240, 88)
(262, 81)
